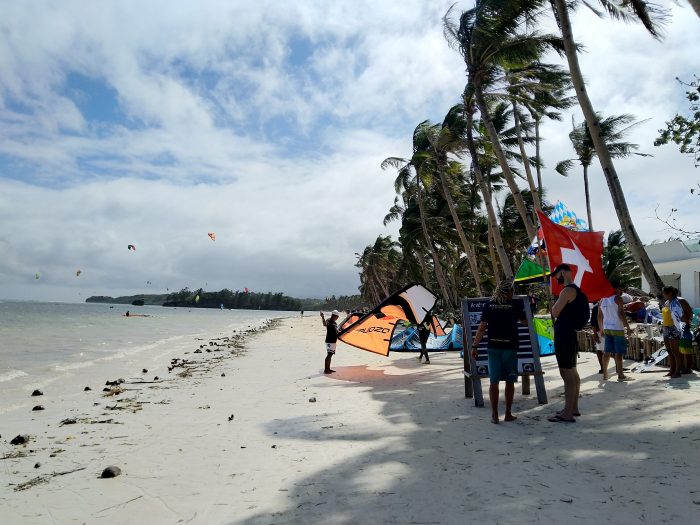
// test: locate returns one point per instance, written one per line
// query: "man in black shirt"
(570, 303)
(501, 316)
(331, 338)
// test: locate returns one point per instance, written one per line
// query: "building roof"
(675, 250)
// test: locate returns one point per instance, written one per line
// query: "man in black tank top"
(565, 311)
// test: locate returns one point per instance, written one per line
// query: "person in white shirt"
(613, 321)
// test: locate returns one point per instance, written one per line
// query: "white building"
(678, 264)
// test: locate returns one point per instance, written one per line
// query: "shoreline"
(274, 441)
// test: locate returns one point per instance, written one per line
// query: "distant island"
(234, 300)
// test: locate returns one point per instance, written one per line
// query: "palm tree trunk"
(439, 275)
(618, 196)
(380, 283)
(526, 160)
(492, 255)
(537, 155)
(502, 161)
(588, 197)
(468, 248)
(424, 270)
(488, 202)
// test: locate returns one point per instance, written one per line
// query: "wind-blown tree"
(613, 129)
(652, 17)
(446, 140)
(618, 262)
(684, 131)
(409, 179)
(379, 264)
(491, 36)
(514, 235)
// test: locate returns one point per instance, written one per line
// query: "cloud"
(156, 123)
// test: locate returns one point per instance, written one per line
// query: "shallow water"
(39, 342)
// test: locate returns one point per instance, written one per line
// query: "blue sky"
(155, 123)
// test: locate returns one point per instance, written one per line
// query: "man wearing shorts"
(331, 338)
(501, 316)
(571, 302)
(611, 316)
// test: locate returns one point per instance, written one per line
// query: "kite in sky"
(37, 275)
(77, 274)
(131, 247)
(212, 236)
(373, 331)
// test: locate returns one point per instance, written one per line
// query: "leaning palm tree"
(613, 129)
(618, 262)
(490, 36)
(409, 179)
(652, 17)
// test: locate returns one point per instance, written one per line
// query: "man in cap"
(331, 338)
(571, 313)
(501, 316)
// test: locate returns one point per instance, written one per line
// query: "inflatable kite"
(131, 247)
(373, 331)
(212, 236)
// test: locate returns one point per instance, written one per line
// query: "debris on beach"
(111, 472)
(20, 439)
(230, 418)
(87, 389)
(223, 374)
(312, 400)
(37, 393)
(112, 391)
(68, 421)
(156, 378)
(38, 407)
(37, 465)
(144, 371)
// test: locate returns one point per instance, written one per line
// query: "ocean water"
(40, 342)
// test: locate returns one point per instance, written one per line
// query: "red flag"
(583, 251)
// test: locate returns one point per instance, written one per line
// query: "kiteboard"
(654, 359)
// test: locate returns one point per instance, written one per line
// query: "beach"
(252, 432)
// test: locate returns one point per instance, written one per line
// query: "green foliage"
(618, 262)
(684, 131)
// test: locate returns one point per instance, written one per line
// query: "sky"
(154, 123)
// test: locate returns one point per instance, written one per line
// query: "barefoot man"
(501, 316)
(570, 312)
(331, 338)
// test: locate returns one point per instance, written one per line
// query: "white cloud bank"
(265, 123)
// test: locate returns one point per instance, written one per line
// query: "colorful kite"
(545, 335)
(373, 331)
(131, 247)
(212, 236)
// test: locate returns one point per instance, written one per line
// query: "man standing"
(571, 313)
(611, 316)
(501, 316)
(331, 338)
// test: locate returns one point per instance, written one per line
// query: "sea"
(41, 343)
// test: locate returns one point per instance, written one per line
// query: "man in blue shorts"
(501, 316)
(612, 318)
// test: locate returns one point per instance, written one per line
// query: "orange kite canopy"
(373, 331)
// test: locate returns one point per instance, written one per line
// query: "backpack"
(582, 312)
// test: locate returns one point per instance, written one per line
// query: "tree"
(379, 264)
(494, 35)
(651, 16)
(618, 262)
(685, 131)
(613, 130)
(409, 178)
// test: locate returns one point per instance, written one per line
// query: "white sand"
(388, 441)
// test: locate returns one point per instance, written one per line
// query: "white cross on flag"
(583, 251)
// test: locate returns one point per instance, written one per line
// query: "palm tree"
(379, 264)
(490, 36)
(409, 179)
(618, 262)
(613, 129)
(444, 140)
(651, 16)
